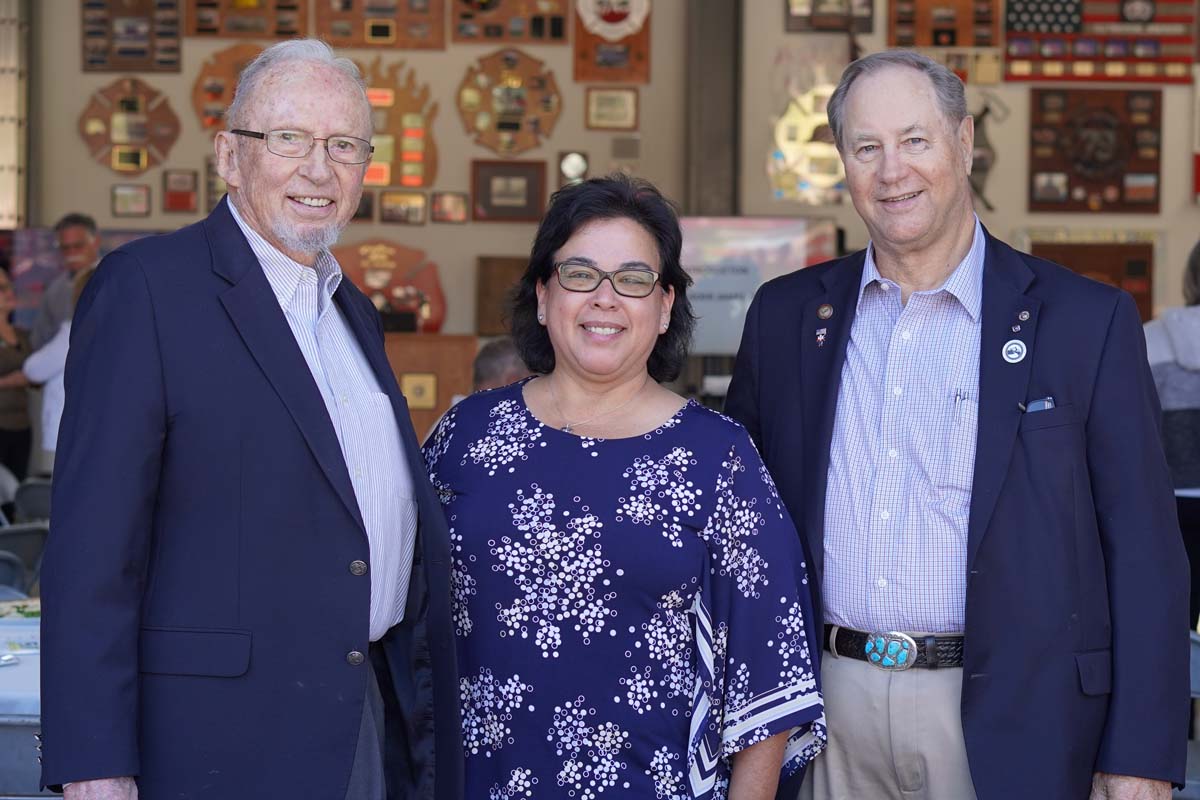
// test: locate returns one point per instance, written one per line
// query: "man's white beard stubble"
(307, 240)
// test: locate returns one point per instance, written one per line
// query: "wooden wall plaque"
(943, 23)
(131, 35)
(402, 112)
(248, 19)
(399, 24)
(129, 126)
(510, 21)
(398, 279)
(215, 83)
(1126, 265)
(800, 16)
(509, 101)
(1095, 150)
(495, 279)
(1151, 41)
(431, 370)
(612, 41)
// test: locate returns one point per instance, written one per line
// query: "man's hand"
(103, 789)
(1123, 787)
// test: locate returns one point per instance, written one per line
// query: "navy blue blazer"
(199, 606)
(1076, 638)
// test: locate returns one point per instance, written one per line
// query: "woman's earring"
(541, 316)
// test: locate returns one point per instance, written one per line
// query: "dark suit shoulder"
(167, 249)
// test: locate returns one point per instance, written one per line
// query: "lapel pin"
(1023, 316)
(1014, 351)
(821, 337)
(825, 311)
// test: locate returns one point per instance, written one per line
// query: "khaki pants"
(892, 735)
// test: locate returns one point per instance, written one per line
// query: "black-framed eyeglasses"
(629, 282)
(298, 144)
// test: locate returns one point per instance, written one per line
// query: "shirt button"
(893, 453)
(355, 658)
(897, 391)
(881, 583)
(906, 335)
(358, 568)
(358, 473)
(885, 515)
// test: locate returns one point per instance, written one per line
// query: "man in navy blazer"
(246, 585)
(967, 437)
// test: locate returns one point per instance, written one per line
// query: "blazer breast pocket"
(1050, 418)
(212, 652)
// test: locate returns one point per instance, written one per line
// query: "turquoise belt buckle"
(892, 651)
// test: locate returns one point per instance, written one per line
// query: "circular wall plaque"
(510, 101)
(129, 126)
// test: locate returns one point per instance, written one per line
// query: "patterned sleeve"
(436, 447)
(757, 677)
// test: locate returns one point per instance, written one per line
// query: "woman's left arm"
(756, 769)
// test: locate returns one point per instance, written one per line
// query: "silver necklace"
(571, 426)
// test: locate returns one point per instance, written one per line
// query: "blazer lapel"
(825, 322)
(1002, 383)
(255, 312)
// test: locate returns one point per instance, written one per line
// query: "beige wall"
(1177, 226)
(64, 178)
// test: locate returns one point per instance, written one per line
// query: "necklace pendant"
(566, 428)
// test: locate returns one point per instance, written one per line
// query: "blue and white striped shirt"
(902, 458)
(362, 417)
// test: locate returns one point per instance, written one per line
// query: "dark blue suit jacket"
(1076, 649)
(199, 606)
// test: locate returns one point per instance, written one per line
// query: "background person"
(630, 599)
(78, 242)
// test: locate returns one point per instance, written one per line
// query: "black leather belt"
(894, 651)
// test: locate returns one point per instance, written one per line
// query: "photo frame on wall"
(366, 208)
(403, 208)
(508, 191)
(214, 184)
(611, 108)
(448, 207)
(130, 200)
(181, 190)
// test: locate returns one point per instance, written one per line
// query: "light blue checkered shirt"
(362, 417)
(902, 458)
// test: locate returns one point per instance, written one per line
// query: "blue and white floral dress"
(630, 612)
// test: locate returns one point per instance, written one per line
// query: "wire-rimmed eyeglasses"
(628, 282)
(298, 144)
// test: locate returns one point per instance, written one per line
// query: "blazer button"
(358, 568)
(355, 658)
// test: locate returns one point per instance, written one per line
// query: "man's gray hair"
(497, 364)
(947, 87)
(294, 50)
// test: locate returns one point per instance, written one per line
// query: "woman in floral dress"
(630, 595)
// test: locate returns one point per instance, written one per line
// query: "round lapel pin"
(1014, 351)
(825, 311)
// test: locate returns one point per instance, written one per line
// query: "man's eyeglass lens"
(627, 282)
(298, 144)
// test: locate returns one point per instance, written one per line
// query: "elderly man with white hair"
(248, 572)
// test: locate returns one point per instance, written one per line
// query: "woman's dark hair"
(1191, 278)
(617, 196)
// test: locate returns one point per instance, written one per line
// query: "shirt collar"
(965, 283)
(285, 273)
